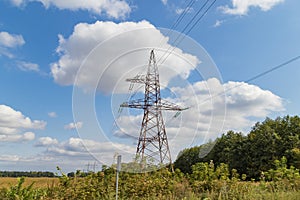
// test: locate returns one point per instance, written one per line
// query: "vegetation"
(253, 153)
(26, 174)
(261, 165)
(39, 182)
(206, 181)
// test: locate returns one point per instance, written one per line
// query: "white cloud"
(218, 23)
(181, 10)
(28, 66)
(112, 8)
(73, 125)
(9, 158)
(46, 141)
(52, 114)
(241, 7)
(115, 59)
(69, 155)
(11, 118)
(6, 52)
(83, 150)
(28, 136)
(78, 146)
(17, 2)
(8, 40)
(164, 2)
(243, 101)
(13, 124)
(245, 104)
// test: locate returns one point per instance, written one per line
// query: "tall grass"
(205, 182)
(154, 185)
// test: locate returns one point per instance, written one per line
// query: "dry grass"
(39, 182)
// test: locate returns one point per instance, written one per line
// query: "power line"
(180, 18)
(273, 69)
(256, 76)
(181, 37)
(182, 15)
(186, 26)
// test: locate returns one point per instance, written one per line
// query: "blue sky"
(43, 44)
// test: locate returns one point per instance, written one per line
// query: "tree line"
(26, 174)
(250, 154)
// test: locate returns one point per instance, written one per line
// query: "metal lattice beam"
(153, 141)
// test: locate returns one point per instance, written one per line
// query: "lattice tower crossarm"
(153, 142)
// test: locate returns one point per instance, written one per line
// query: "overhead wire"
(281, 65)
(183, 35)
(182, 15)
(186, 26)
(186, 9)
(179, 20)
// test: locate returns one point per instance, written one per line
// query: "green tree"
(251, 153)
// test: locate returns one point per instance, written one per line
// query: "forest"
(262, 164)
(251, 153)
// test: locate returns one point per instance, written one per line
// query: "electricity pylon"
(153, 142)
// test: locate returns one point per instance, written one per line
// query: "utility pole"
(153, 142)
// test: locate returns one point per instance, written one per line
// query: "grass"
(137, 186)
(39, 182)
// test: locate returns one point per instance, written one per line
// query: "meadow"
(38, 182)
(205, 182)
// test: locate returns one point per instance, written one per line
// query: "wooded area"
(251, 153)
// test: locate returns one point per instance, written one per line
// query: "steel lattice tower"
(152, 142)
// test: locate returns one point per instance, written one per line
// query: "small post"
(118, 170)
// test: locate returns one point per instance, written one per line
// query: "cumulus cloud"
(11, 40)
(124, 48)
(28, 136)
(28, 66)
(206, 117)
(246, 103)
(112, 8)
(77, 146)
(73, 125)
(77, 151)
(69, 155)
(13, 124)
(241, 7)
(46, 141)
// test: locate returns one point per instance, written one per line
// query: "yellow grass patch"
(39, 182)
